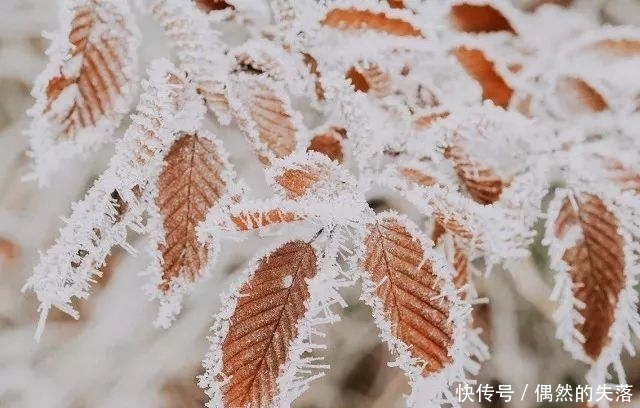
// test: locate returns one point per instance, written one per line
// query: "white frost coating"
(165, 107)
(49, 148)
(199, 49)
(298, 371)
(171, 301)
(626, 323)
(434, 389)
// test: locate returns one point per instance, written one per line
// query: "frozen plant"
(470, 111)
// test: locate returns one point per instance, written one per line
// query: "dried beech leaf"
(350, 19)
(264, 322)
(626, 178)
(461, 266)
(297, 181)
(199, 49)
(188, 186)
(245, 221)
(483, 71)
(88, 83)
(329, 143)
(578, 97)
(417, 176)
(442, 224)
(399, 4)
(424, 121)
(213, 5)
(371, 80)
(312, 66)
(596, 264)
(615, 48)
(270, 120)
(478, 18)
(409, 290)
(481, 182)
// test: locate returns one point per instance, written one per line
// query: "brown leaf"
(312, 66)
(596, 265)
(417, 176)
(371, 80)
(396, 4)
(615, 48)
(265, 320)
(272, 114)
(351, 19)
(408, 289)
(461, 266)
(478, 18)
(424, 121)
(213, 5)
(627, 179)
(579, 97)
(245, 221)
(481, 182)
(297, 181)
(329, 143)
(483, 71)
(98, 85)
(442, 224)
(189, 185)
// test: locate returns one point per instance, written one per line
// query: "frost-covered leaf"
(87, 85)
(415, 304)
(200, 51)
(577, 96)
(370, 79)
(480, 68)
(267, 324)
(265, 320)
(589, 237)
(213, 5)
(191, 182)
(329, 142)
(480, 182)
(479, 17)
(263, 110)
(595, 262)
(354, 19)
(100, 221)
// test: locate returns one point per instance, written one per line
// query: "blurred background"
(114, 357)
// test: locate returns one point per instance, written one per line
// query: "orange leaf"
(351, 19)
(409, 290)
(80, 97)
(312, 66)
(272, 114)
(329, 143)
(579, 97)
(417, 176)
(245, 221)
(478, 18)
(483, 71)
(213, 5)
(372, 80)
(481, 182)
(264, 322)
(596, 265)
(189, 185)
(616, 48)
